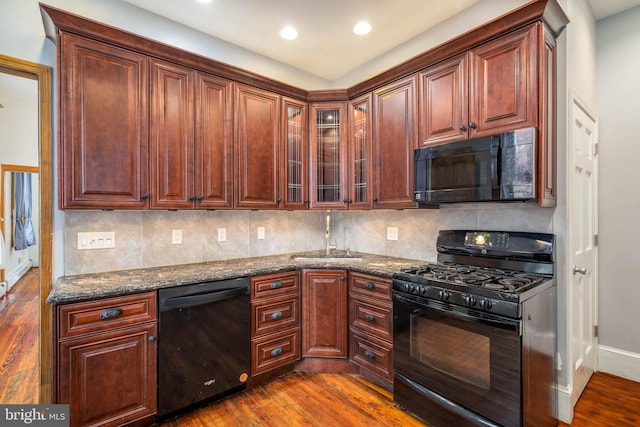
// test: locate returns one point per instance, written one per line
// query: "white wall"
(618, 84)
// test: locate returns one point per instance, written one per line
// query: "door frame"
(43, 75)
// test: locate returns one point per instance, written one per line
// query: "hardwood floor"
(300, 398)
(19, 328)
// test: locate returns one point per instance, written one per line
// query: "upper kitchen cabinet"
(359, 146)
(191, 139)
(395, 137)
(295, 154)
(488, 90)
(103, 143)
(257, 145)
(328, 145)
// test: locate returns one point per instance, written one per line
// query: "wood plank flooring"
(19, 328)
(297, 399)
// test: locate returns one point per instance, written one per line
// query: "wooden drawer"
(372, 317)
(370, 286)
(94, 316)
(274, 314)
(275, 350)
(275, 284)
(374, 355)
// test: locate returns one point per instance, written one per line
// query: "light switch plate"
(260, 233)
(176, 237)
(222, 234)
(392, 233)
(96, 240)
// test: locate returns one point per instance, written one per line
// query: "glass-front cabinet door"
(294, 170)
(360, 161)
(328, 156)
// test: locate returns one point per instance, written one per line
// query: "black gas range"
(467, 328)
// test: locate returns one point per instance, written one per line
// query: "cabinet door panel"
(324, 313)
(214, 137)
(443, 97)
(503, 87)
(295, 155)
(103, 122)
(257, 124)
(109, 378)
(172, 146)
(395, 138)
(360, 153)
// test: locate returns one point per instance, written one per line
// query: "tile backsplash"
(144, 238)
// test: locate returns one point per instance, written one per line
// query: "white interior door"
(582, 237)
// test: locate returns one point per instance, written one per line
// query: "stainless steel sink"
(327, 258)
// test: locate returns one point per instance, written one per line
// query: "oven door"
(456, 358)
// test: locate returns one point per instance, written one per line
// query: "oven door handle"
(462, 313)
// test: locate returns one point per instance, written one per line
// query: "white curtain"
(23, 235)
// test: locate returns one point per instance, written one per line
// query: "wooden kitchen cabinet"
(488, 90)
(103, 146)
(328, 155)
(257, 147)
(360, 159)
(395, 137)
(107, 360)
(324, 313)
(295, 154)
(371, 327)
(191, 139)
(275, 323)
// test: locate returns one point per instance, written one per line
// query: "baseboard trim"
(565, 408)
(18, 273)
(618, 362)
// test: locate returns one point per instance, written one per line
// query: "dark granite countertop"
(100, 285)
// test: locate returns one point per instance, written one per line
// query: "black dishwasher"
(204, 345)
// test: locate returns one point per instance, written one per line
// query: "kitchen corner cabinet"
(395, 137)
(191, 140)
(257, 146)
(107, 360)
(371, 327)
(275, 321)
(103, 126)
(488, 90)
(328, 155)
(324, 313)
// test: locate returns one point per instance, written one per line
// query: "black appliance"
(492, 168)
(204, 343)
(475, 333)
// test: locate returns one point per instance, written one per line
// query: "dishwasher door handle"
(203, 298)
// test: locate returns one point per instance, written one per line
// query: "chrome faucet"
(330, 247)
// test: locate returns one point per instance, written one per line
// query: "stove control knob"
(412, 289)
(424, 291)
(486, 304)
(469, 300)
(444, 295)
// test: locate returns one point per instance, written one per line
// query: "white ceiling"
(326, 46)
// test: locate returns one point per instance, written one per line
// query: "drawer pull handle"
(277, 284)
(369, 355)
(369, 285)
(110, 313)
(276, 352)
(153, 338)
(277, 315)
(370, 317)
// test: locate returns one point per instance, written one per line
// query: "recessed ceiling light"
(289, 33)
(362, 28)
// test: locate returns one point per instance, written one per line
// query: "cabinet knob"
(369, 355)
(110, 313)
(375, 199)
(370, 286)
(276, 351)
(276, 284)
(463, 128)
(277, 315)
(472, 125)
(192, 198)
(153, 338)
(279, 200)
(370, 317)
(144, 196)
(200, 198)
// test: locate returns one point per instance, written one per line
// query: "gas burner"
(500, 286)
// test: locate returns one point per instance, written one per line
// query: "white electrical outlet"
(222, 234)
(176, 237)
(260, 233)
(392, 233)
(96, 240)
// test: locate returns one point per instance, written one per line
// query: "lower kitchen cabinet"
(371, 327)
(324, 313)
(275, 323)
(107, 360)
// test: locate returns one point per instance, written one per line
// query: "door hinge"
(595, 240)
(595, 331)
(596, 148)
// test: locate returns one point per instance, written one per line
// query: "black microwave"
(499, 167)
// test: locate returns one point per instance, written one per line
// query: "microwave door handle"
(496, 165)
